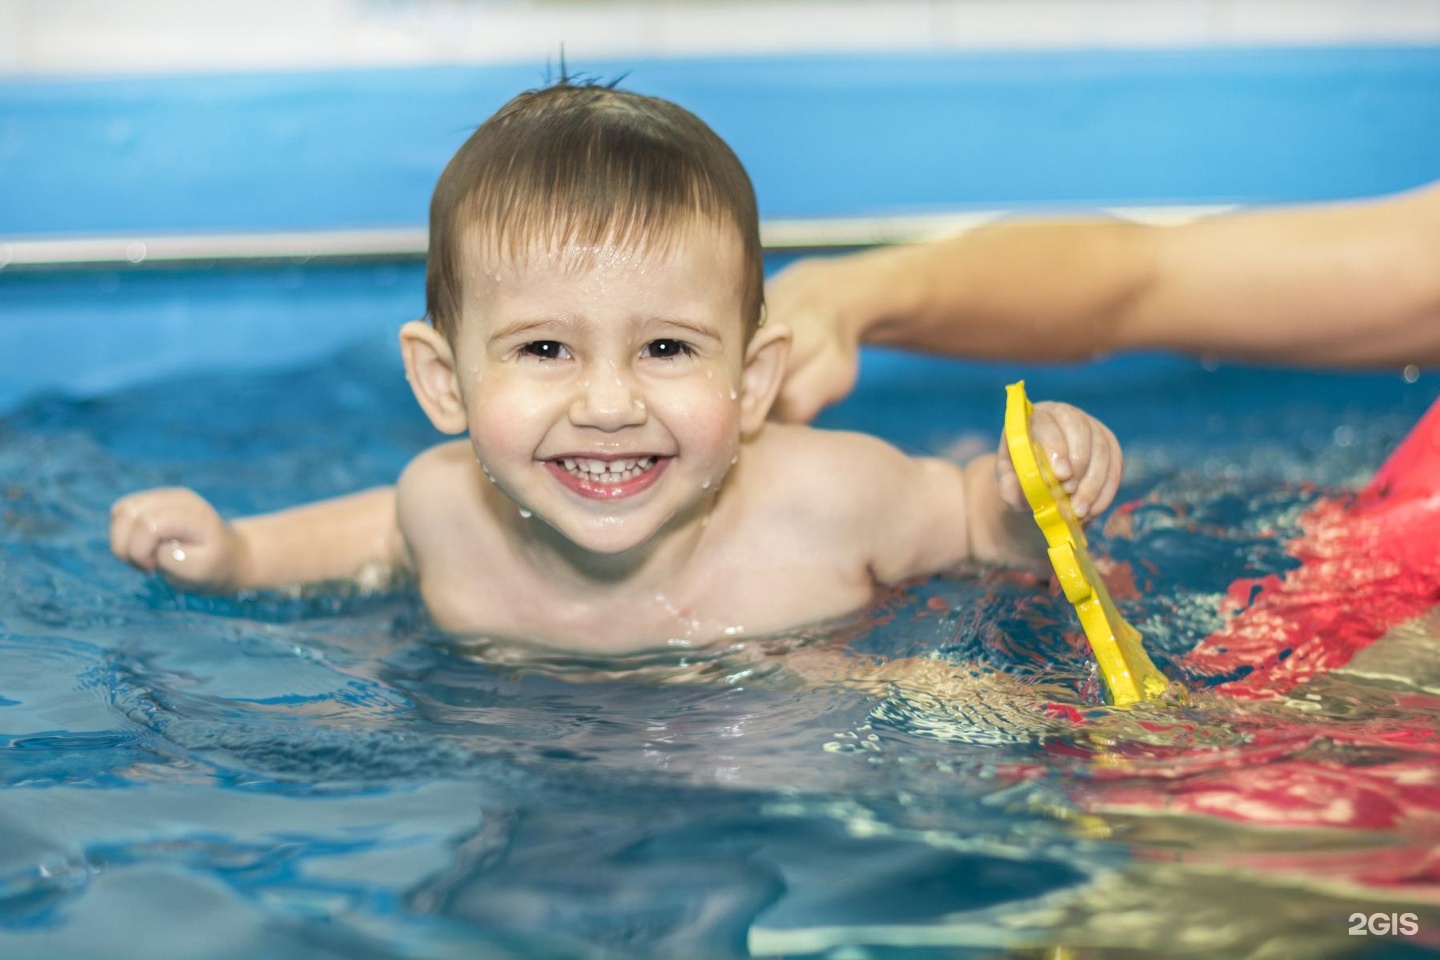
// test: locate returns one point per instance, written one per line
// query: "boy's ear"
(764, 371)
(430, 368)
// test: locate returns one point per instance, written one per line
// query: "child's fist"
(177, 532)
(1084, 455)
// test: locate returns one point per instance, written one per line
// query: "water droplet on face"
(178, 555)
(733, 394)
(706, 484)
(525, 514)
(735, 459)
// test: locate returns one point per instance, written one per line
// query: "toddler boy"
(594, 300)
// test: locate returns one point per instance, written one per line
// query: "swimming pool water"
(324, 775)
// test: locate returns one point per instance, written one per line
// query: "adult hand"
(824, 354)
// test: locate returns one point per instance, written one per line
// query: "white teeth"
(607, 471)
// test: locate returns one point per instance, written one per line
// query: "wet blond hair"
(574, 167)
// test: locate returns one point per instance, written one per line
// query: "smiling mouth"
(606, 471)
(605, 478)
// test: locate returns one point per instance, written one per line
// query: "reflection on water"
(323, 775)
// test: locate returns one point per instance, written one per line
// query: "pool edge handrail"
(408, 244)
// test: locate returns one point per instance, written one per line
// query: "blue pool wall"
(822, 136)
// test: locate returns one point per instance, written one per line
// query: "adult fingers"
(814, 384)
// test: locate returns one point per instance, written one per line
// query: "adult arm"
(1347, 284)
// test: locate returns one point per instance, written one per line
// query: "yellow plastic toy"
(1129, 675)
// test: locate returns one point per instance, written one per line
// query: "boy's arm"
(177, 532)
(931, 515)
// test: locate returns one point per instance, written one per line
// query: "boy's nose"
(608, 400)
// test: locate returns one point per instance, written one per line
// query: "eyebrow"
(527, 326)
(694, 326)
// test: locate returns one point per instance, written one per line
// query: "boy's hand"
(1083, 453)
(177, 532)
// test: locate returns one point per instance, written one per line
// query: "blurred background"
(212, 224)
(90, 36)
(188, 186)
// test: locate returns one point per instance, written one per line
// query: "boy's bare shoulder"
(827, 469)
(436, 483)
(444, 462)
(826, 447)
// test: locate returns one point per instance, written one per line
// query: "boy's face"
(606, 399)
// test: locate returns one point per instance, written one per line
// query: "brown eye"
(545, 350)
(668, 349)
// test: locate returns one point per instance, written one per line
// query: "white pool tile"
(100, 36)
(1328, 21)
(513, 32)
(96, 36)
(794, 25)
(13, 35)
(1074, 23)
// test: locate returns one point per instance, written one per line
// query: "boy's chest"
(729, 599)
